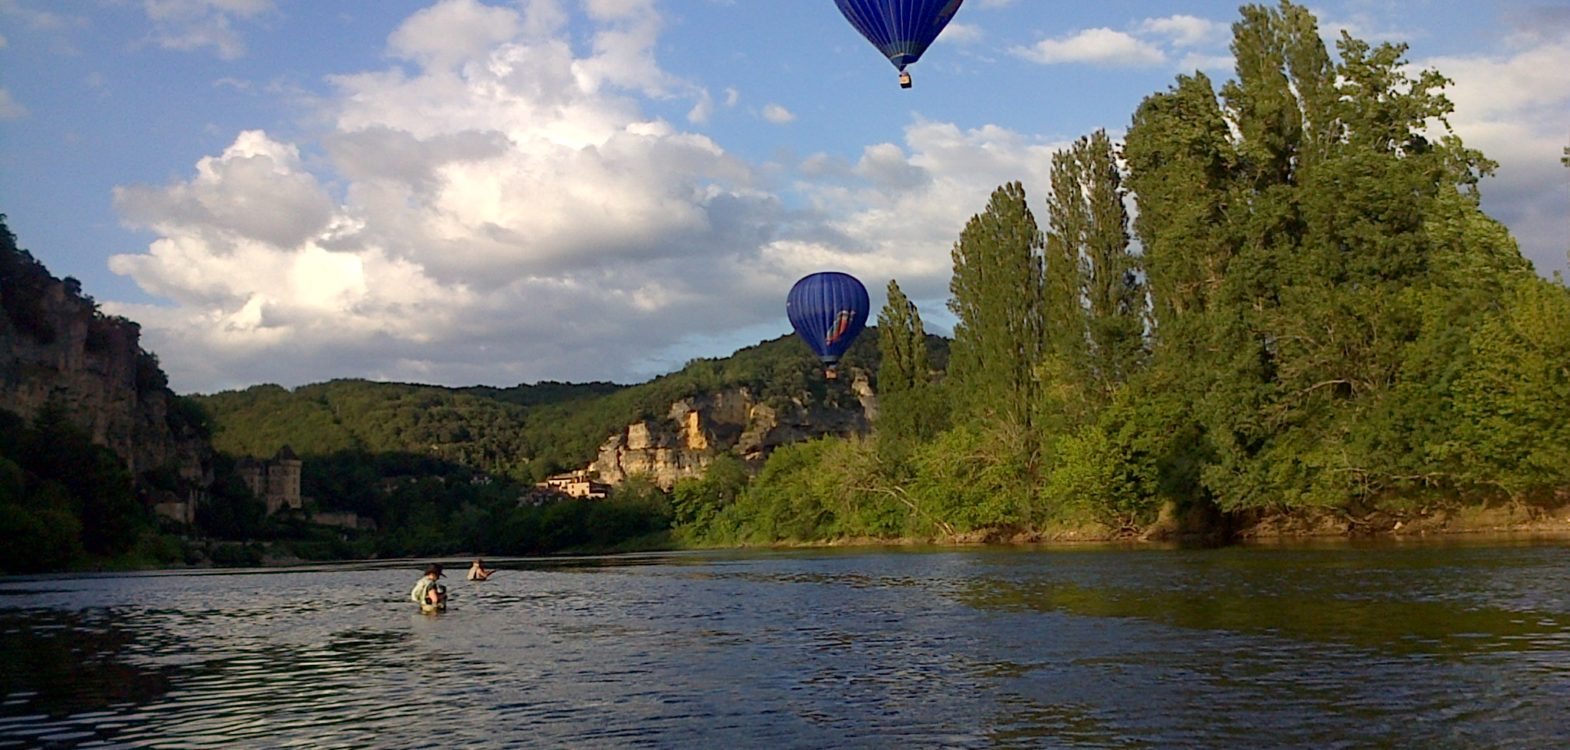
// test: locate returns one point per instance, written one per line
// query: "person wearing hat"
(430, 595)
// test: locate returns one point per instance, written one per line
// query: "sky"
(459, 192)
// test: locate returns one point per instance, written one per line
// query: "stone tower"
(283, 481)
(277, 481)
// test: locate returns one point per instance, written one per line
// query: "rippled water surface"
(1461, 646)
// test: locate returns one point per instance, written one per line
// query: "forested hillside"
(526, 432)
(443, 470)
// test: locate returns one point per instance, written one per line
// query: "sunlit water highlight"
(1348, 646)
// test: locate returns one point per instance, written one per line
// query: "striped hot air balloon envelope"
(900, 29)
(828, 309)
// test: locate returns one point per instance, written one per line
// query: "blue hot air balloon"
(828, 310)
(900, 29)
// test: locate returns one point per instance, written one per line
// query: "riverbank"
(1550, 518)
(1211, 527)
(1514, 518)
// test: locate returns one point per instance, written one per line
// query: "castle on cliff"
(275, 481)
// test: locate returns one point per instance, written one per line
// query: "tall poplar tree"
(1094, 300)
(910, 408)
(997, 298)
(1066, 274)
(902, 341)
(1181, 163)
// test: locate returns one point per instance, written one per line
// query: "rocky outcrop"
(58, 353)
(697, 429)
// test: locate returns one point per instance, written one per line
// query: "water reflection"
(1354, 646)
(1396, 626)
(59, 664)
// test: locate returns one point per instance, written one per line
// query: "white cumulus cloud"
(499, 214)
(453, 32)
(1187, 31)
(962, 33)
(901, 206)
(1099, 46)
(502, 209)
(1512, 105)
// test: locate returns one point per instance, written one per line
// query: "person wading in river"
(477, 571)
(430, 595)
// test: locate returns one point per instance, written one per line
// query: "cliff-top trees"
(22, 283)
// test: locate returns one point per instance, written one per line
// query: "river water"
(1388, 645)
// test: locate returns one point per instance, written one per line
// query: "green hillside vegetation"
(526, 432)
(63, 501)
(450, 470)
(545, 392)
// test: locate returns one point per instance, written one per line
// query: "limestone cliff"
(698, 428)
(57, 351)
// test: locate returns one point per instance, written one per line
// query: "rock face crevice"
(699, 428)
